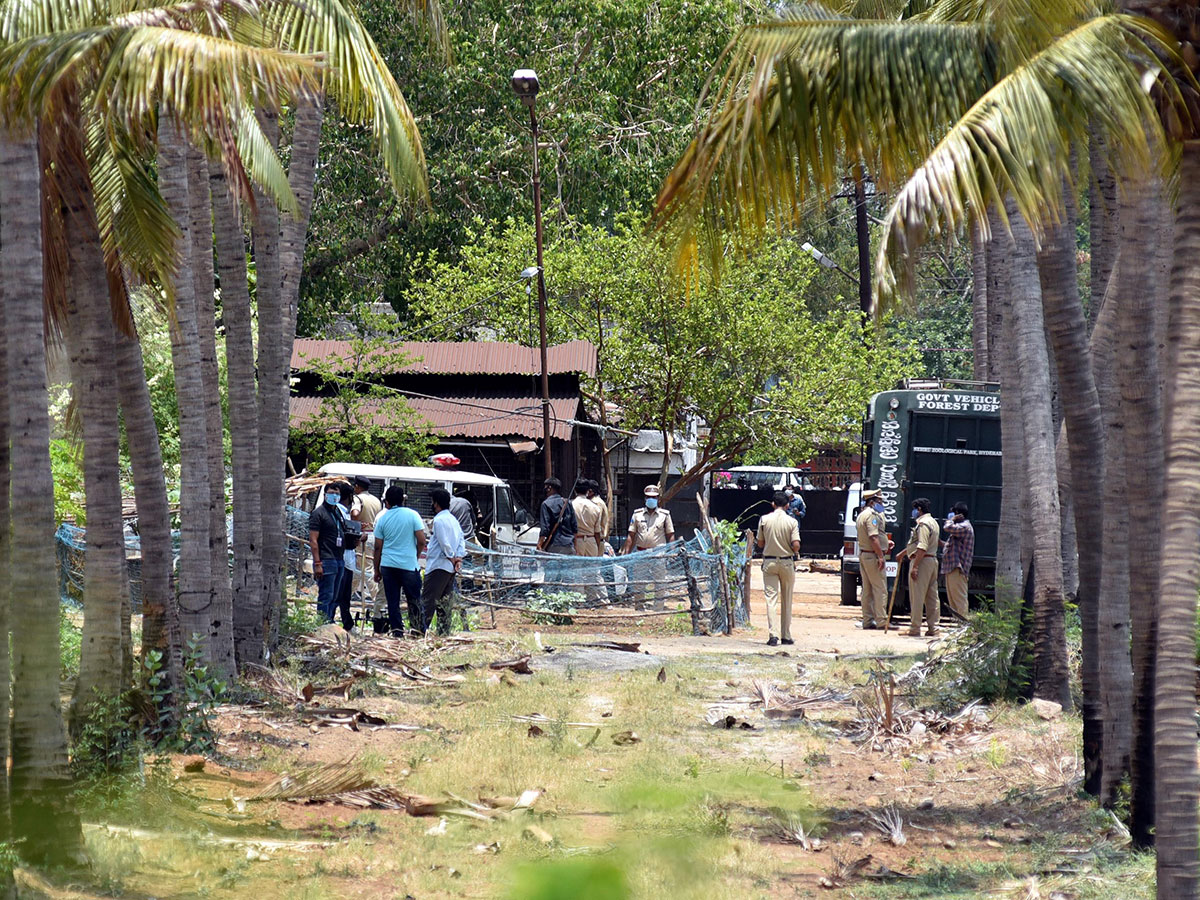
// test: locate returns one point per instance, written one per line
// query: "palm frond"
(798, 98)
(261, 162)
(136, 228)
(1015, 141)
(359, 78)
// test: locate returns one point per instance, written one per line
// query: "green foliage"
(117, 731)
(361, 419)
(70, 644)
(979, 663)
(619, 85)
(553, 607)
(571, 879)
(745, 354)
(299, 618)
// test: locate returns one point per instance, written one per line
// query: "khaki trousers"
(587, 547)
(956, 591)
(923, 594)
(874, 589)
(778, 578)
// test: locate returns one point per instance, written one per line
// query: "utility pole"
(864, 243)
(525, 85)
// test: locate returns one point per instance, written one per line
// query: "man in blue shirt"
(399, 540)
(327, 541)
(796, 508)
(447, 547)
(557, 527)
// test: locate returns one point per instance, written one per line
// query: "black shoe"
(772, 641)
(787, 641)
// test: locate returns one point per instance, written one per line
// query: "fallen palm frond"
(344, 784)
(843, 870)
(772, 702)
(889, 726)
(623, 646)
(270, 681)
(792, 830)
(890, 824)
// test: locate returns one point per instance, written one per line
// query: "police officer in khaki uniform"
(873, 547)
(779, 540)
(650, 527)
(588, 539)
(923, 569)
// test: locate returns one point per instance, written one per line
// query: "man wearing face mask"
(957, 557)
(327, 541)
(923, 569)
(650, 527)
(873, 545)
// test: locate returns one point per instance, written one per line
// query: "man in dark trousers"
(443, 560)
(399, 541)
(557, 530)
(326, 540)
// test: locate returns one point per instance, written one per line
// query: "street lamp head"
(529, 273)
(525, 85)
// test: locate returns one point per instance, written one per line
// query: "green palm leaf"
(1016, 140)
(359, 79)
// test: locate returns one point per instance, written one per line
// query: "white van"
(768, 477)
(850, 570)
(501, 516)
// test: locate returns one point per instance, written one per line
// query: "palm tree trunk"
(42, 814)
(1177, 787)
(274, 389)
(7, 888)
(91, 345)
(160, 618)
(273, 369)
(1103, 224)
(1028, 336)
(243, 423)
(979, 302)
(221, 635)
(1112, 614)
(1085, 448)
(1137, 365)
(195, 557)
(1009, 567)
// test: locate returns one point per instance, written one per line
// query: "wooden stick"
(892, 602)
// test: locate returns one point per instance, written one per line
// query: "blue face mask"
(332, 499)
(916, 513)
(651, 502)
(877, 506)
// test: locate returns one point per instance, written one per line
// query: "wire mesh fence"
(682, 575)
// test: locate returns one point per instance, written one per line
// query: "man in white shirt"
(443, 560)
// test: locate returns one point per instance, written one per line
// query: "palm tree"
(799, 95)
(159, 613)
(6, 888)
(243, 414)
(365, 92)
(201, 232)
(41, 811)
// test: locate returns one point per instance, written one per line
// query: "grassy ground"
(684, 810)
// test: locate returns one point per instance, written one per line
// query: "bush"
(553, 607)
(978, 663)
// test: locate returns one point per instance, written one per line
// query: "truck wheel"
(849, 589)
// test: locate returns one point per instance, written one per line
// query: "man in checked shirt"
(958, 551)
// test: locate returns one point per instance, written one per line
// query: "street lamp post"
(525, 85)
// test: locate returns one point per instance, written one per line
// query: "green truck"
(941, 440)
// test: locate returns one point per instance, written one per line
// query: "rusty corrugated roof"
(467, 416)
(463, 358)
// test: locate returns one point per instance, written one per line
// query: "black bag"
(381, 625)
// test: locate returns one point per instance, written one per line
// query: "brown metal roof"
(463, 358)
(468, 416)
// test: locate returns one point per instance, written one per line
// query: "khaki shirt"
(650, 527)
(924, 536)
(776, 531)
(587, 517)
(605, 519)
(870, 524)
(371, 507)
